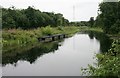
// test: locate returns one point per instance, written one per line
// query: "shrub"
(47, 30)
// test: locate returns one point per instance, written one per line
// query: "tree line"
(108, 18)
(30, 18)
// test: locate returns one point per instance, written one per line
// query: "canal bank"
(21, 37)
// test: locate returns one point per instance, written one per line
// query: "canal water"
(59, 58)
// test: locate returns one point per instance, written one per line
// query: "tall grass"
(21, 37)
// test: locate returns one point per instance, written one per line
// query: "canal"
(58, 58)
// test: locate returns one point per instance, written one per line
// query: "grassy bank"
(20, 37)
(97, 29)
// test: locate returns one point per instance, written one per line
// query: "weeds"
(21, 37)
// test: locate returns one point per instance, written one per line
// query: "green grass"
(21, 37)
(95, 29)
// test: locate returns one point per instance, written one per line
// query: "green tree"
(91, 21)
(116, 27)
(30, 18)
(109, 14)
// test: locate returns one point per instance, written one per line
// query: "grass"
(114, 36)
(95, 29)
(21, 37)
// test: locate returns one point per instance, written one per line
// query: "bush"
(60, 28)
(47, 30)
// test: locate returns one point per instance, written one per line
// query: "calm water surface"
(64, 58)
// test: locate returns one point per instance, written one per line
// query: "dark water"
(60, 58)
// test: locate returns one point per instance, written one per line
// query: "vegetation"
(30, 18)
(109, 17)
(21, 37)
(24, 26)
(98, 29)
(91, 21)
(108, 63)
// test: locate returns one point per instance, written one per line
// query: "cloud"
(84, 9)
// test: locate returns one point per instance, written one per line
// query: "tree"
(91, 21)
(109, 14)
(59, 20)
(30, 18)
(116, 27)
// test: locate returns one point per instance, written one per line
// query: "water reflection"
(28, 53)
(105, 41)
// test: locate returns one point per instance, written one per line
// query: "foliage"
(91, 21)
(21, 37)
(30, 18)
(116, 27)
(81, 23)
(109, 16)
(98, 29)
(47, 30)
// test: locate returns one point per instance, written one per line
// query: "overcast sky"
(84, 9)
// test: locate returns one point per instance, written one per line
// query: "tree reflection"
(105, 41)
(27, 53)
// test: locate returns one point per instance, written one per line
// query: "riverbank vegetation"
(20, 36)
(109, 61)
(22, 26)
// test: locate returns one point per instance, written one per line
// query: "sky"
(83, 9)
